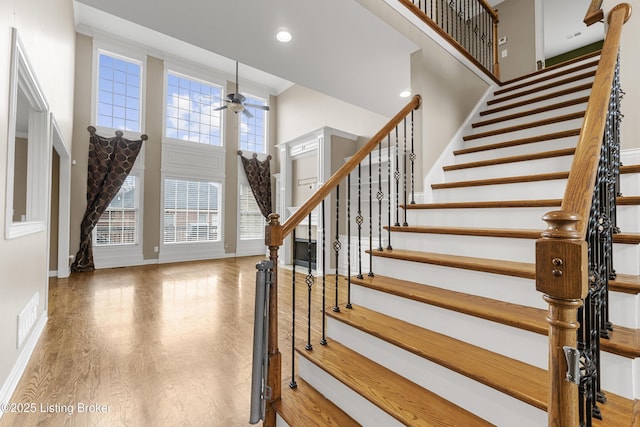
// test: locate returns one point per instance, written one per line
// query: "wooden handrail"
(582, 176)
(489, 9)
(594, 13)
(299, 215)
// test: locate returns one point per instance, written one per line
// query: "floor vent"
(27, 318)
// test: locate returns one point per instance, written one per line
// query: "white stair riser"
(280, 422)
(521, 97)
(486, 402)
(518, 150)
(624, 311)
(625, 256)
(531, 117)
(549, 189)
(524, 133)
(356, 406)
(528, 167)
(519, 344)
(628, 217)
(551, 72)
(533, 105)
(515, 290)
(528, 347)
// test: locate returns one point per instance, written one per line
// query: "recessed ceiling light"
(405, 94)
(283, 36)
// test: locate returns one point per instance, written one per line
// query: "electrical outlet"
(155, 249)
(504, 53)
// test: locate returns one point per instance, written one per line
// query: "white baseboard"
(9, 386)
(53, 273)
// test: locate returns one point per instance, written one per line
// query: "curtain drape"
(110, 162)
(259, 176)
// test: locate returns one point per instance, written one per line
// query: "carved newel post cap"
(119, 133)
(92, 130)
(274, 219)
(561, 225)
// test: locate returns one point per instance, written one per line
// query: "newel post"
(561, 275)
(273, 240)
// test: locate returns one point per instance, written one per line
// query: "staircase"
(451, 330)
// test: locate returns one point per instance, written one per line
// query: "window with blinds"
(252, 129)
(118, 225)
(119, 93)
(191, 211)
(190, 112)
(251, 220)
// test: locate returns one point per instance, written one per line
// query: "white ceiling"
(339, 47)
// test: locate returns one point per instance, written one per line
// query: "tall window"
(251, 220)
(119, 92)
(118, 225)
(253, 128)
(190, 114)
(191, 211)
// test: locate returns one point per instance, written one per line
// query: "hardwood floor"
(160, 345)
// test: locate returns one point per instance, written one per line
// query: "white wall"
(47, 31)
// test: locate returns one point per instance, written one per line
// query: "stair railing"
(594, 13)
(398, 154)
(470, 26)
(574, 255)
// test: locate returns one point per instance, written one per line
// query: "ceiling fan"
(235, 101)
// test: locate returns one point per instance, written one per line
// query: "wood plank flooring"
(161, 345)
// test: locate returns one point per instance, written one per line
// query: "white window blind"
(251, 220)
(190, 114)
(191, 211)
(118, 224)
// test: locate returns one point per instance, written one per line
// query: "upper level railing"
(471, 26)
(594, 13)
(574, 255)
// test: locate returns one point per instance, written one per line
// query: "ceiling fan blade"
(220, 108)
(247, 113)
(261, 107)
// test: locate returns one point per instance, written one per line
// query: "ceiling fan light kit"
(235, 101)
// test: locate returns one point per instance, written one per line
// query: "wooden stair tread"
(553, 67)
(621, 201)
(625, 238)
(549, 76)
(512, 159)
(548, 96)
(402, 399)
(303, 406)
(576, 101)
(577, 77)
(516, 142)
(537, 123)
(513, 377)
(520, 178)
(623, 341)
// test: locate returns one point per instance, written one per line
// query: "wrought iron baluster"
(404, 170)
(397, 178)
(309, 280)
(359, 220)
(412, 158)
(337, 245)
(348, 242)
(389, 191)
(380, 196)
(292, 383)
(370, 219)
(323, 340)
